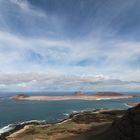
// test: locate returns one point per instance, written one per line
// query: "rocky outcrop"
(79, 93)
(101, 116)
(108, 93)
(19, 96)
(125, 128)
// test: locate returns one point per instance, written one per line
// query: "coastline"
(16, 127)
(12, 128)
(132, 104)
(22, 127)
(19, 128)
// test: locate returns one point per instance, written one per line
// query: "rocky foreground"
(78, 126)
(90, 125)
(125, 128)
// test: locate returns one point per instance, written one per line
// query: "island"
(75, 96)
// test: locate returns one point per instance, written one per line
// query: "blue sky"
(70, 45)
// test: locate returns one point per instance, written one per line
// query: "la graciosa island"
(76, 96)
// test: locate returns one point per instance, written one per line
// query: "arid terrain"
(76, 96)
(99, 125)
(80, 126)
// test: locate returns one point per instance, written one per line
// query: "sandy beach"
(72, 97)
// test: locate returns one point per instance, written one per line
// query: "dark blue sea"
(13, 112)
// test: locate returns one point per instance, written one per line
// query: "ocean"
(14, 112)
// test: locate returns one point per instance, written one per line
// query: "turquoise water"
(19, 111)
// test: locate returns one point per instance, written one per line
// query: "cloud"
(22, 54)
(39, 38)
(28, 9)
(46, 82)
(134, 87)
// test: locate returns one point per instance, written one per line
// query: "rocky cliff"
(125, 128)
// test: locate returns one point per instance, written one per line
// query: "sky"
(68, 45)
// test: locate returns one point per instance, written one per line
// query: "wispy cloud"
(65, 54)
(68, 43)
(27, 8)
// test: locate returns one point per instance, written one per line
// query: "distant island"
(76, 96)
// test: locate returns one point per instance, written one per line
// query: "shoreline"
(16, 127)
(133, 104)
(19, 127)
